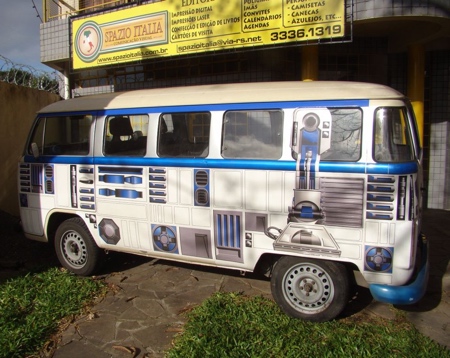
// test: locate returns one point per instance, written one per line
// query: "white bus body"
(309, 180)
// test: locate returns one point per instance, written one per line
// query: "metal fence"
(28, 76)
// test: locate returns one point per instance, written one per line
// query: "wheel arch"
(54, 221)
(265, 263)
(267, 260)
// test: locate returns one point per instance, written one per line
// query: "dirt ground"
(19, 255)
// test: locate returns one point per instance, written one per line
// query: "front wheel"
(75, 247)
(309, 289)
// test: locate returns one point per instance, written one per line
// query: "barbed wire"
(28, 76)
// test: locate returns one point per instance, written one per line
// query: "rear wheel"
(75, 247)
(313, 290)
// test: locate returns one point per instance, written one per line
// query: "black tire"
(76, 249)
(309, 289)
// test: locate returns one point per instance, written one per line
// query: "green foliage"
(32, 306)
(233, 325)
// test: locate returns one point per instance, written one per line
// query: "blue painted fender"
(407, 294)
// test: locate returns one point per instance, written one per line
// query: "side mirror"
(35, 150)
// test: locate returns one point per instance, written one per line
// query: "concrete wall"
(18, 107)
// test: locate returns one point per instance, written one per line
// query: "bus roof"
(227, 93)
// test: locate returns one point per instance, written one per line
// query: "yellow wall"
(18, 107)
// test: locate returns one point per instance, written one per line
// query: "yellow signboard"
(177, 27)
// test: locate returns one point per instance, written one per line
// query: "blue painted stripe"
(342, 167)
(59, 159)
(393, 168)
(249, 164)
(224, 107)
(199, 163)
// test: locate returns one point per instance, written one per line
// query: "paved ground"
(144, 311)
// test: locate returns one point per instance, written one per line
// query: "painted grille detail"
(342, 201)
(201, 187)
(228, 234)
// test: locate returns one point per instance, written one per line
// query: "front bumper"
(410, 293)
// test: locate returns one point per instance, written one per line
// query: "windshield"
(392, 142)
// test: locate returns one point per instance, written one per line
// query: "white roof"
(227, 93)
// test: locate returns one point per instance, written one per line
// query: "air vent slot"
(49, 187)
(158, 184)
(202, 197)
(381, 195)
(49, 171)
(201, 178)
(48, 174)
(201, 187)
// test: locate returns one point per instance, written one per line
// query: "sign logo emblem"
(88, 41)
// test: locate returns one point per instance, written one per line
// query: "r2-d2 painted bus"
(315, 183)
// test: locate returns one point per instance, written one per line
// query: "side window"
(37, 137)
(62, 135)
(253, 134)
(346, 126)
(126, 135)
(392, 142)
(184, 134)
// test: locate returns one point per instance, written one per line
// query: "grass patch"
(32, 306)
(233, 325)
